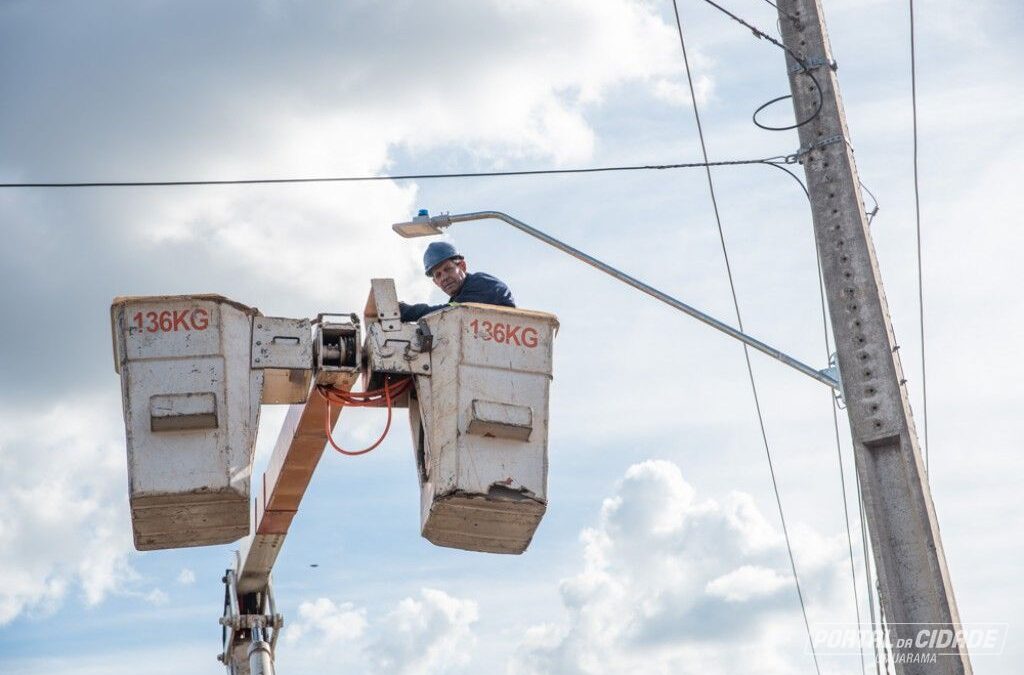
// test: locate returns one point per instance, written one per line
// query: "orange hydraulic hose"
(343, 398)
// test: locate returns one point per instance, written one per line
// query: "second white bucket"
(480, 427)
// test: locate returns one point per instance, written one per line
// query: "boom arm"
(250, 621)
(249, 614)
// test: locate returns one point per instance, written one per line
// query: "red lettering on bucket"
(168, 321)
(181, 320)
(200, 319)
(505, 333)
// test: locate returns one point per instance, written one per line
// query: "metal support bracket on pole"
(814, 62)
(818, 145)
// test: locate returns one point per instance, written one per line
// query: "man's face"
(450, 275)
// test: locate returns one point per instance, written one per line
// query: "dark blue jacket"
(478, 287)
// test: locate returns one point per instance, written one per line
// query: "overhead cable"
(876, 628)
(412, 176)
(839, 459)
(874, 210)
(917, 218)
(805, 69)
(739, 321)
(835, 424)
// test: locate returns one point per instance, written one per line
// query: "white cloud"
(673, 584)
(447, 85)
(162, 659)
(508, 79)
(157, 597)
(677, 91)
(186, 577)
(746, 583)
(63, 506)
(429, 634)
(307, 241)
(523, 103)
(324, 623)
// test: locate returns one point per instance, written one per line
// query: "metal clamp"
(833, 372)
(807, 149)
(813, 62)
(234, 624)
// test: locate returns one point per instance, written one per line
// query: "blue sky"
(660, 550)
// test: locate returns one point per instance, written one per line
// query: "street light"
(425, 225)
(420, 226)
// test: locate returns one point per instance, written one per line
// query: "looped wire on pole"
(805, 69)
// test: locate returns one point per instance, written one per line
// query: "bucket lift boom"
(195, 369)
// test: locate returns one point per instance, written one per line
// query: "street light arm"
(427, 225)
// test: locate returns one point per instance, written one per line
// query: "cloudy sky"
(661, 551)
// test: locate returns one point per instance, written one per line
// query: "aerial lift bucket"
(192, 379)
(480, 426)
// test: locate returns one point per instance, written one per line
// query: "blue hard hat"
(437, 253)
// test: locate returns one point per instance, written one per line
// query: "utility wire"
(835, 423)
(791, 16)
(870, 213)
(839, 458)
(887, 644)
(421, 176)
(804, 68)
(739, 321)
(758, 33)
(875, 629)
(835, 417)
(874, 210)
(794, 177)
(849, 534)
(917, 216)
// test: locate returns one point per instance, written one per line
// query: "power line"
(887, 642)
(804, 68)
(839, 453)
(867, 574)
(835, 424)
(794, 177)
(917, 217)
(839, 457)
(870, 213)
(874, 211)
(739, 321)
(758, 33)
(420, 176)
(791, 16)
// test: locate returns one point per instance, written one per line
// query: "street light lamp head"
(422, 225)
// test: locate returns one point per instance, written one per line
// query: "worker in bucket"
(446, 266)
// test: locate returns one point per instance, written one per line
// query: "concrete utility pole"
(916, 591)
